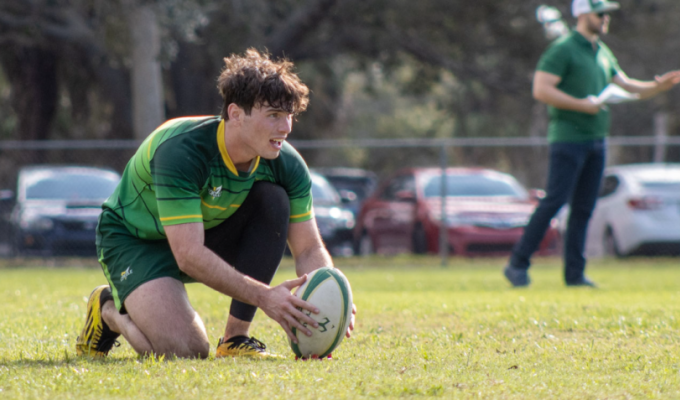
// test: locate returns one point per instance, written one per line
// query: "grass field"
(422, 331)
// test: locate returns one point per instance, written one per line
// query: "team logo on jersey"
(215, 192)
(124, 275)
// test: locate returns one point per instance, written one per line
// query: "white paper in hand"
(614, 94)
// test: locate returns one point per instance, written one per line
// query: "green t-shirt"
(584, 71)
(182, 173)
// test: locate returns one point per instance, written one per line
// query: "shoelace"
(256, 343)
(249, 343)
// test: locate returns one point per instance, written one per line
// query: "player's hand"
(351, 321)
(282, 306)
(667, 81)
(590, 105)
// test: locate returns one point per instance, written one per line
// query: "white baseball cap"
(579, 7)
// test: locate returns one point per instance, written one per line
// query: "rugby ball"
(328, 289)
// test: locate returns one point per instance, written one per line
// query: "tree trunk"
(32, 72)
(147, 85)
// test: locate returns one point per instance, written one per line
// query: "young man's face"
(598, 23)
(265, 129)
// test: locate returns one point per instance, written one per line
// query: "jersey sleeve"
(554, 60)
(179, 168)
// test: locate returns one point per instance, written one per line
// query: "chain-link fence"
(525, 158)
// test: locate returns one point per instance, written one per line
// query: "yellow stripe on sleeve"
(181, 217)
(301, 215)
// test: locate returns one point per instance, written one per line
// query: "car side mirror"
(405, 196)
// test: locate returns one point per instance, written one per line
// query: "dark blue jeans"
(574, 175)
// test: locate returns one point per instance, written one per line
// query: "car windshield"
(473, 185)
(361, 186)
(323, 192)
(69, 186)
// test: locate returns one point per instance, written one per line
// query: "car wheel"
(419, 240)
(611, 248)
(366, 245)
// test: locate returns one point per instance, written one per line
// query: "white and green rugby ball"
(328, 289)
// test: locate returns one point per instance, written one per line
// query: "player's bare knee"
(198, 347)
(189, 349)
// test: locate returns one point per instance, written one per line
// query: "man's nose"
(286, 125)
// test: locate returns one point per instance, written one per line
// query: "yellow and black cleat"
(96, 339)
(242, 346)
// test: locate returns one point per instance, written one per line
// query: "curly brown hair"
(253, 80)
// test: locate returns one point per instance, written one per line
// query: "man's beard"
(598, 28)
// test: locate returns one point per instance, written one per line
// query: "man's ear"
(235, 113)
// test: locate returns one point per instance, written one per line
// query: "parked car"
(334, 220)
(353, 184)
(486, 212)
(637, 212)
(56, 208)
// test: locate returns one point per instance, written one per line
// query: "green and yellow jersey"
(182, 173)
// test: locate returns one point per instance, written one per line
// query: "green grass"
(422, 331)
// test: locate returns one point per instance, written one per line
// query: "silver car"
(56, 209)
(637, 212)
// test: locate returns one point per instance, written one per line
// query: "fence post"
(443, 228)
(660, 136)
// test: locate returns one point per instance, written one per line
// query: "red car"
(486, 212)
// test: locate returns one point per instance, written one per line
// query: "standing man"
(209, 200)
(573, 68)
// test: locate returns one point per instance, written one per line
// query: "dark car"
(486, 212)
(353, 184)
(56, 208)
(334, 220)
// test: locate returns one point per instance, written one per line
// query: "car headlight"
(37, 223)
(339, 218)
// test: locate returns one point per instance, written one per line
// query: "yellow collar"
(225, 155)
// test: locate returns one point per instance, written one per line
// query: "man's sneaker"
(517, 277)
(96, 339)
(242, 346)
(583, 282)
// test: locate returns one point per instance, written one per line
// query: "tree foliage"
(378, 68)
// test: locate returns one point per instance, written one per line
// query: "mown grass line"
(422, 331)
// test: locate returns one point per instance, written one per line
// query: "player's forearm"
(554, 97)
(208, 268)
(645, 89)
(311, 259)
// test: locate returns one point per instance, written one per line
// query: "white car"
(637, 211)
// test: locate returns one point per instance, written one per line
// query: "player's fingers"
(293, 283)
(298, 302)
(293, 322)
(303, 317)
(286, 327)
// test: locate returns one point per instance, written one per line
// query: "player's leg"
(566, 161)
(161, 311)
(145, 281)
(581, 208)
(252, 240)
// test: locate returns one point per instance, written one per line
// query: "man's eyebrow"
(272, 109)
